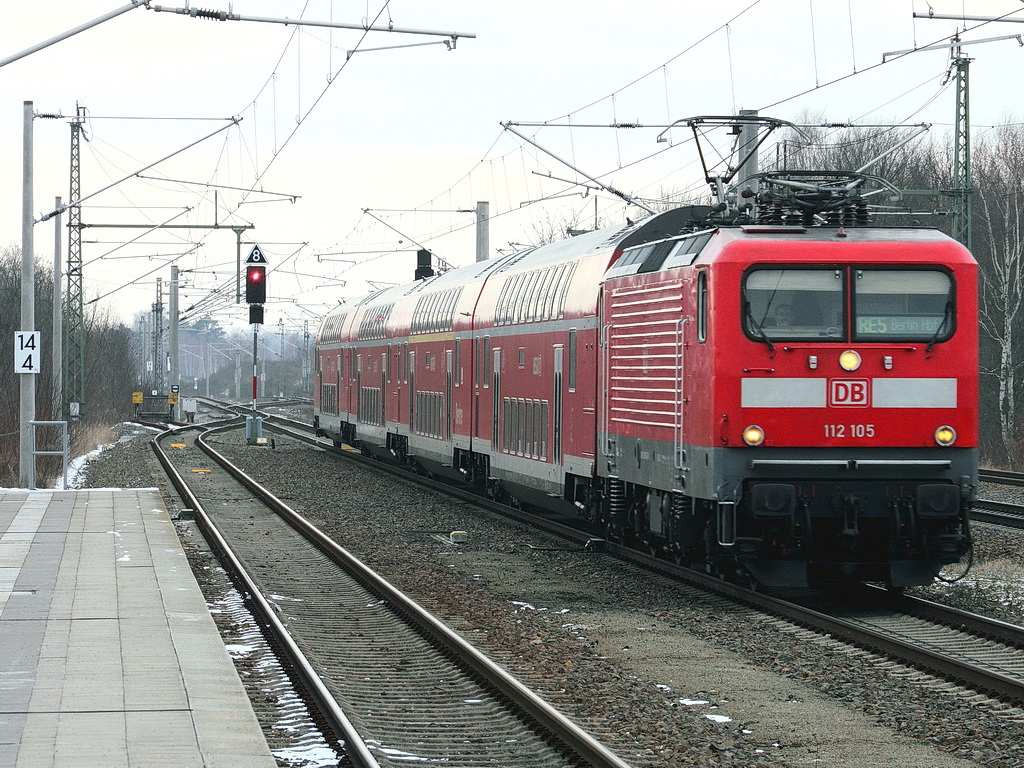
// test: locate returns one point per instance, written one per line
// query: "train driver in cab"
(783, 316)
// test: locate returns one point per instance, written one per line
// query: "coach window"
(457, 364)
(500, 309)
(486, 378)
(564, 291)
(515, 303)
(531, 311)
(702, 306)
(544, 292)
(523, 299)
(433, 306)
(902, 305)
(515, 441)
(551, 301)
(528, 428)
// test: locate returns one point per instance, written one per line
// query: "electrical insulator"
(256, 284)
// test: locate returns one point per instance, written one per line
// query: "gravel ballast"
(665, 675)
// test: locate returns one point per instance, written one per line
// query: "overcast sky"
(413, 133)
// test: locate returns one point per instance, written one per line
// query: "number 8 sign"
(27, 351)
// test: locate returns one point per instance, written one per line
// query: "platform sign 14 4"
(27, 352)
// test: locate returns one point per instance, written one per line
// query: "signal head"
(256, 284)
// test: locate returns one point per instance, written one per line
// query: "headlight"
(945, 435)
(753, 435)
(849, 360)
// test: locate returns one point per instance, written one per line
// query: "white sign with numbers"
(27, 352)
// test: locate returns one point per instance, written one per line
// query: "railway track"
(1001, 513)
(1004, 476)
(965, 649)
(392, 681)
(995, 512)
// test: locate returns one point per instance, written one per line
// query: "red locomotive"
(793, 397)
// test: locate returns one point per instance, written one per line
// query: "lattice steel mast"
(963, 205)
(74, 319)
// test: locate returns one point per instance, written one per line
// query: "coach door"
(495, 398)
(412, 392)
(556, 410)
(348, 373)
(382, 402)
(338, 362)
(447, 394)
(357, 393)
(481, 383)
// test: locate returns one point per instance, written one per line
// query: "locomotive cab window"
(902, 305)
(887, 304)
(794, 304)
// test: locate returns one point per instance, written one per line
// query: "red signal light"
(256, 284)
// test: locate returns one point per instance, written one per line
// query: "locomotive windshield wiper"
(946, 317)
(757, 327)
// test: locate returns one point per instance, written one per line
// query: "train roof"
(667, 224)
(671, 224)
(871, 234)
(873, 240)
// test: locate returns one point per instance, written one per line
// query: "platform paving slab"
(108, 654)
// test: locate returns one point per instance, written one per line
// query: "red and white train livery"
(796, 402)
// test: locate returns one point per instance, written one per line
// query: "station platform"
(108, 653)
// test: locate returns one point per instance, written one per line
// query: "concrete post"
(172, 312)
(58, 321)
(27, 381)
(483, 230)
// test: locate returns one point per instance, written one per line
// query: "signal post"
(255, 297)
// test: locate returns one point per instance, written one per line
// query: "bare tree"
(668, 198)
(553, 228)
(999, 247)
(110, 367)
(916, 168)
(998, 196)
(10, 386)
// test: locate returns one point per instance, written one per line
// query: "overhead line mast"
(964, 211)
(962, 190)
(74, 320)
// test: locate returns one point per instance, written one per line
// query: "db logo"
(849, 393)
